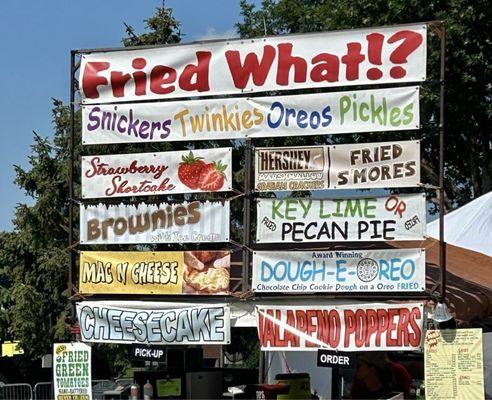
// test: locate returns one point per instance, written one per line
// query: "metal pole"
(247, 215)
(442, 211)
(71, 146)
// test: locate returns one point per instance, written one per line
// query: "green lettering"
(370, 204)
(306, 208)
(395, 114)
(276, 205)
(345, 103)
(353, 208)
(408, 114)
(289, 209)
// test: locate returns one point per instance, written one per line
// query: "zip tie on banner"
(242, 246)
(74, 245)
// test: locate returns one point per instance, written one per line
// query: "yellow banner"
(162, 272)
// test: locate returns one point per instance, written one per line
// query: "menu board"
(454, 364)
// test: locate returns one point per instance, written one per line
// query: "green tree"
(468, 148)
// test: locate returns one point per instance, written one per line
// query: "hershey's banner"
(342, 271)
(160, 272)
(153, 322)
(307, 114)
(187, 222)
(341, 58)
(356, 327)
(395, 217)
(145, 174)
(345, 166)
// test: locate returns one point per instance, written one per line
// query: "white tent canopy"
(469, 227)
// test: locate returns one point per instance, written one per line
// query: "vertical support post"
(442, 211)
(247, 214)
(71, 145)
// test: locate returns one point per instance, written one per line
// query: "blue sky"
(37, 39)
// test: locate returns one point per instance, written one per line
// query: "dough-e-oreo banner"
(395, 217)
(161, 272)
(186, 222)
(346, 166)
(341, 271)
(153, 322)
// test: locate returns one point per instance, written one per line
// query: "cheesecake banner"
(342, 271)
(355, 327)
(161, 272)
(145, 174)
(394, 217)
(345, 166)
(392, 109)
(153, 322)
(187, 222)
(369, 56)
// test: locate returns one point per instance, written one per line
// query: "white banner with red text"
(145, 174)
(341, 271)
(368, 56)
(187, 222)
(356, 327)
(153, 322)
(394, 217)
(307, 114)
(341, 166)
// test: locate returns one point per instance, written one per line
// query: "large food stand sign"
(72, 371)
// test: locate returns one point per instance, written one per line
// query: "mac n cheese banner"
(153, 322)
(343, 271)
(341, 58)
(72, 371)
(308, 114)
(346, 166)
(396, 217)
(145, 174)
(161, 272)
(187, 222)
(356, 327)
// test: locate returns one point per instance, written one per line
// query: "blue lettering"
(340, 270)
(383, 269)
(327, 117)
(411, 264)
(264, 268)
(270, 122)
(314, 120)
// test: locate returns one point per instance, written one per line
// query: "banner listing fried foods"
(72, 371)
(306, 114)
(314, 60)
(343, 271)
(145, 174)
(356, 327)
(395, 217)
(161, 272)
(347, 166)
(153, 322)
(187, 222)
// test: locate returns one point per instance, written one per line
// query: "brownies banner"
(345, 166)
(343, 271)
(356, 327)
(145, 174)
(153, 322)
(395, 217)
(312, 60)
(161, 272)
(306, 114)
(187, 222)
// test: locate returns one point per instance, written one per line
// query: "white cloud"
(212, 33)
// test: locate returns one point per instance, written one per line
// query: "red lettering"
(118, 82)
(241, 73)
(139, 76)
(199, 71)
(160, 76)
(286, 61)
(91, 79)
(290, 337)
(372, 325)
(361, 328)
(326, 69)
(416, 337)
(391, 341)
(335, 328)
(402, 329)
(352, 60)
(349, 319)
(383, 325)
(310, 326)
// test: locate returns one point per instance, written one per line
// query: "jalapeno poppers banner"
(347, 166)
(308, 114)
(341, 58)
(346, 271)
(161, 272)
(396, 217)
(153, 322)
(192, 222)
(145, 174)
(356, 327)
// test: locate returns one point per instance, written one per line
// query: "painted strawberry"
(212, 176)
(189, 170)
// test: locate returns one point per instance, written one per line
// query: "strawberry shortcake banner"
(344, 166)
(356, 327)
(144, 174)
(153, 322)
(394, 217)
(341, 271)
(187, 222)
(307, 114)
(381, 55)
